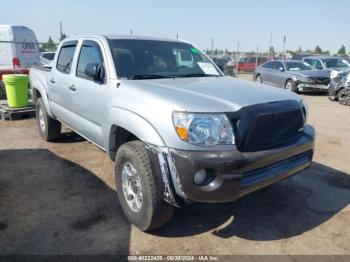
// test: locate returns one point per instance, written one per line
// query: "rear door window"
(269, 65)
(65, 57)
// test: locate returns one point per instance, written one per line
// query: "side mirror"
(319, 67)
(95, 72)
(281, 69)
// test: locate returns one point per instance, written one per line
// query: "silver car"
(293, 75)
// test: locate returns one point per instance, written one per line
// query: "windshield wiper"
(135, 77)
(197, 75)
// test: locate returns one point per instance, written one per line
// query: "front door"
(89, 94)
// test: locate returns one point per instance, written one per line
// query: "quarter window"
(65, 58)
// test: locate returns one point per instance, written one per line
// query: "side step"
(8, 113)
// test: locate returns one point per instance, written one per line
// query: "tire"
(49, 128)
(259, 79)
(290, 85)
(2, 91)
(342, 96)
(153, 211)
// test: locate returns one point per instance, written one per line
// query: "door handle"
(52, 81)
(72, 88)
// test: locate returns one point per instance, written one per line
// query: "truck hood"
(207, 94)
(312, 73)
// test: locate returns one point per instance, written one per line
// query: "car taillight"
(16, 62)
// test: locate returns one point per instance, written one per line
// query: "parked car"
(18, 52)
(300, 56)
(339, 89)
(336, 64)
(46, 58)
(293, 75)
(220, 62)
(175, 133)
(249, 64)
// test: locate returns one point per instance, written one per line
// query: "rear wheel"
(259, 79)
(49, 128)
(2, 91)
(138, 194)
(290, 85)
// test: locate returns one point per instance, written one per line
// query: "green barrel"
(16, 89)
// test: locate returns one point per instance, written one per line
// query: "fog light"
(200, 176)
(204, 177)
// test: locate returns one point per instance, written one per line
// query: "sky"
(305, 23)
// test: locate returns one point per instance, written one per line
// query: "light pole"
(268, 57)
(284, 46)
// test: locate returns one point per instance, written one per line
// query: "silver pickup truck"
(177, 129)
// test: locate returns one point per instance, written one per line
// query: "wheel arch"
(125, 126)
(39, 91)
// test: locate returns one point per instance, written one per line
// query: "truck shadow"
(283, 210)
(49, 205)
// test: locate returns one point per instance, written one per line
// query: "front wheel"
(139, 197)
(342, 97)
(49, 128)
(290, 85)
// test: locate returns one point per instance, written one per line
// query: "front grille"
(268, 130)
(321, 80)
(266, 126)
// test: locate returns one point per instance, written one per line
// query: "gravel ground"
(59, 198)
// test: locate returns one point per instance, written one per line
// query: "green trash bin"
(16, 89)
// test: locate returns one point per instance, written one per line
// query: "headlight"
(305, 108)
(305, 80)
(334, 74)
(348, 78)
(203, 129)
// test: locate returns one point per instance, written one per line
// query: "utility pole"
(177, 36)
(130, 31)
(284, 46)
(237, 57)
(257, 56)
(212, 47)
(61, 31)
(268, 57)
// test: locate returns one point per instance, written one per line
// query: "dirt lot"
(59, 198)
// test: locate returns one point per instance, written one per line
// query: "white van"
(18, 47)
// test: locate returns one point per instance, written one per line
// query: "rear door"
(26, 47)
(88, 95)
(266, 71)
(60, 82)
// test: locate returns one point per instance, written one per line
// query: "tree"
(342, 51)
(272, 51)
(49, 46)
(318, 50)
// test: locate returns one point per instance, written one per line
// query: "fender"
(36, 84)
(134, 123)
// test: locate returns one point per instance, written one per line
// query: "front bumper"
(304, 87)
(236, 173)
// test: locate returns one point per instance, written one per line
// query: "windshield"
(297, 66)
(140, 59)
(335, 63)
